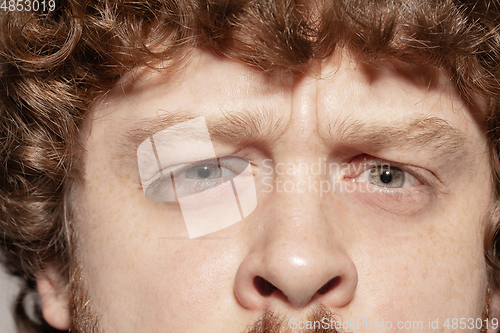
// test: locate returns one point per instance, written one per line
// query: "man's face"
(372, 183)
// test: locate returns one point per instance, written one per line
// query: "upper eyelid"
(172, 169)
(374, 161)
(182, 167)
(415, 171)
(370, 164)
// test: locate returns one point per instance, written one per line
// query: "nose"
(296, 259)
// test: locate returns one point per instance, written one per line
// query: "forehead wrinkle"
(262, 125)
(430, 133)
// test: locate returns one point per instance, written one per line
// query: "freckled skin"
(142, 275)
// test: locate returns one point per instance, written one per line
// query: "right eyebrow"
(233, 127)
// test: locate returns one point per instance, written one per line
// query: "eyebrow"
(235, 127)
(429, 133)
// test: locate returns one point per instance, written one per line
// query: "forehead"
(203, 83)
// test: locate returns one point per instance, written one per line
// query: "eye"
(196, 177)
(394, 187)
(203, 172)
(386, 176)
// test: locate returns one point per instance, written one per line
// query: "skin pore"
(358, 250)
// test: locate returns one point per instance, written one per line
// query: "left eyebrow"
(234, 127)
(429, 133)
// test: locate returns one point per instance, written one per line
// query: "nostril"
(329, 285)
(264, 287)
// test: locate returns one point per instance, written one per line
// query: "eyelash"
(184, 167)
(371, 163)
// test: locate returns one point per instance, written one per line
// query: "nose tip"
(296, 281)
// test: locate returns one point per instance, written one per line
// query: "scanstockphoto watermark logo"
(365, 324)
(353, 325)
(320, 177)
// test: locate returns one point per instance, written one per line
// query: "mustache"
(319, 318)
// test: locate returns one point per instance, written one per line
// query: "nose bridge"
(304, 101)
(298, 191)
(300, 161)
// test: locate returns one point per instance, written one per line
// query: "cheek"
(190, 286)
(433, 267)
(139, 260)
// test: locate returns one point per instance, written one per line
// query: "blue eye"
(196, 177)
(385, 176)
(204, 171)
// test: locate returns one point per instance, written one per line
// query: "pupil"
(204, 172)
(386, 176)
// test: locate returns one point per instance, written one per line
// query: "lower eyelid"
(399, 201)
